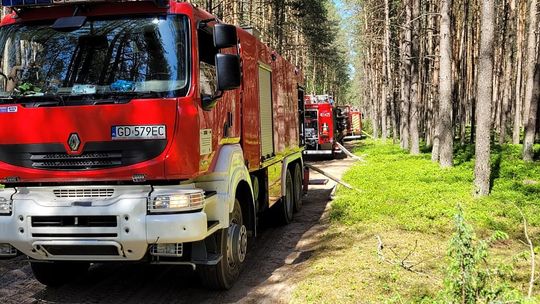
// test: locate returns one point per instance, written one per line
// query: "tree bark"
(531, 57)
(531, 94)
(415, 94)
(518, 103)
(406, 78)
(388, 97)
(482, 169)
(445, 132)
(530, 127)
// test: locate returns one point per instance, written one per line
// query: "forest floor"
(389, 242)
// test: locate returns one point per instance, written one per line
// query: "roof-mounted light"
(27, 2)
(35, 3)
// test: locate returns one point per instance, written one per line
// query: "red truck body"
(29, 133)
(142, 131)
(320, 125)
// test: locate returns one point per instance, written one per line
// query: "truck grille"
(100, 250)
(84, 161)
(95, 155)
(74, 221)
(83, 193)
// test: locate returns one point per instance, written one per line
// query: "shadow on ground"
(267, 264)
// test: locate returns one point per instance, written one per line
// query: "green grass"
(414, 194)
(410, 202)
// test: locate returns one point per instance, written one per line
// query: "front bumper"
(44, 226)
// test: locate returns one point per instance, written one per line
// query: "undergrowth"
(412, 193)
(409, 204)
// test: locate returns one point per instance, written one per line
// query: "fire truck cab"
(141, 131)
(321, 133)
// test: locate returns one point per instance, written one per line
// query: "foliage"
(412, 193)
(409, 202)
(306, 32)
(27, 89)
(469, 279)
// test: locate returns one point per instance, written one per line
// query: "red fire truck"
(351, 122)
(141, 131)
(321, 133)
(355, 131)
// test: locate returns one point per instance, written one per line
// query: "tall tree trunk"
(406, 78)
(445, 132)
(518, 100)
(531, 98)
(482, 169)
(530, 127)
(531, 57)
(388, 79)
(507, 71)
(506, 96)
(415, 94)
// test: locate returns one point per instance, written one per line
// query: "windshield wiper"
(133, 94)
(34, 100)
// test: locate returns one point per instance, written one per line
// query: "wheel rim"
(236, 241)
(298, 188)
(289, 199)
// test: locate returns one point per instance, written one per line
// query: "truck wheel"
(232, 244)
(56, 274)
(298, 188)
(285, 207)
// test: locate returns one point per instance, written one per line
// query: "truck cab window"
(124, 55)
(207, 64)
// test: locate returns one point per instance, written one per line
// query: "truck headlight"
(5, 206)
(178, 201)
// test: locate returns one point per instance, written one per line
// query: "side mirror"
(225, 36)
(228, 72)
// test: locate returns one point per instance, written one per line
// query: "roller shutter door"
(266, 113)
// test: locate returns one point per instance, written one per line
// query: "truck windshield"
(129, 56)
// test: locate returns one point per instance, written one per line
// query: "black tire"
(298, 187)
(232, 243)
(285, 208)
(56, 274)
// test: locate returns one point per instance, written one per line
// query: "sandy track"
(272, 269)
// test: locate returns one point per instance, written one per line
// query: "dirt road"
(272, 269)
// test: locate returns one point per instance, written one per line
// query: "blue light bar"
(26, 2)
(22, 3)
(36, 3)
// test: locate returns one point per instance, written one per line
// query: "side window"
(207, 64)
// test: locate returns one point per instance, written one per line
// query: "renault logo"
(74, 142)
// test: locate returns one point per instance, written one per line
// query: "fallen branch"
(531, 248)
(380, 248)
(403, 263)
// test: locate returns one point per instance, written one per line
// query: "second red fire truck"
(141, 131)
(321, 131)
(351, 122)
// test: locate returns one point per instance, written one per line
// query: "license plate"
(138, 132)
